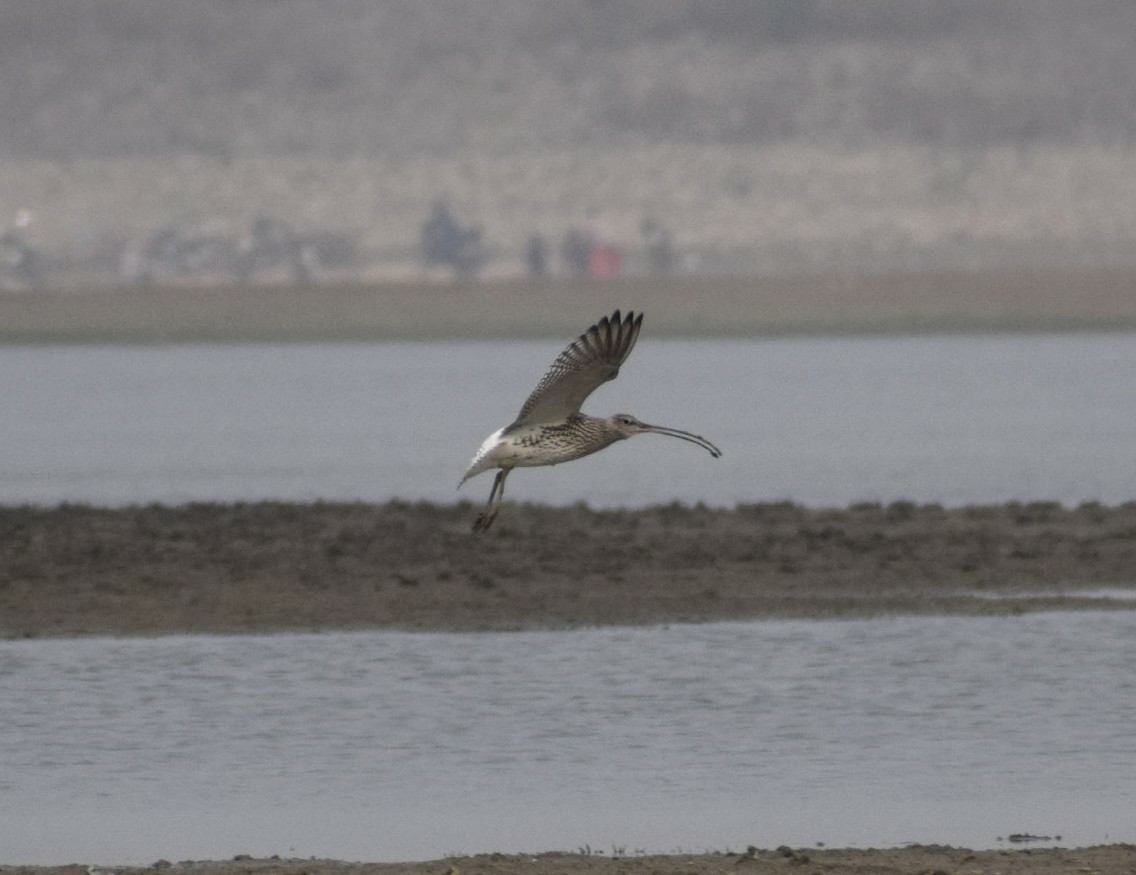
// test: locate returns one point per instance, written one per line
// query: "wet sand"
(922, 859)
(265, 567)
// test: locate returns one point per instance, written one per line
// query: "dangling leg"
(486, 517)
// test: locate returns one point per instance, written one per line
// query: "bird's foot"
(484, 520)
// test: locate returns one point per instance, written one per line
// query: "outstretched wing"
(589, 361)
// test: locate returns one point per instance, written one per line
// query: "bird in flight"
(550, 428)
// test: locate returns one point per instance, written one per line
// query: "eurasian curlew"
(550, 428)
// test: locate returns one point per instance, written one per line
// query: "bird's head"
(625, 425)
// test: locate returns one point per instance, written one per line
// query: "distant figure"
(17, 263)
(536, 256)
(445, 241)
(177, 252)
(441, 235)
(576, 251)
(270, 245)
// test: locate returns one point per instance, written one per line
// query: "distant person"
(18, 269)
(446, 242)
(536, 256)
(442, 236)
(576, 252)
(270, 245)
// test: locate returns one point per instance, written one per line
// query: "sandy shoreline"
(266, 567)
(929, 859)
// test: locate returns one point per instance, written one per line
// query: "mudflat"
(265, 567)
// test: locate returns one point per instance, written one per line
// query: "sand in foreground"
(925, 859)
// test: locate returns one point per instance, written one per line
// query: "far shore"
(1009, 299)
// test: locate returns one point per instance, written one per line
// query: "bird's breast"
(551, 444)
(530, 446)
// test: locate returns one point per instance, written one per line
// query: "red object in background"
(604, 261)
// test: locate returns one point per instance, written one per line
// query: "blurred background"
(272, 141)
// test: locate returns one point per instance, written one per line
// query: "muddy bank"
(892, 861)
(76, 570)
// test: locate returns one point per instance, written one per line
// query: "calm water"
(823, 422)
(393, 745)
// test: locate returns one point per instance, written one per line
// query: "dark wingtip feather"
(621, 330)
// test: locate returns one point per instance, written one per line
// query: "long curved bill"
(684, 435)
